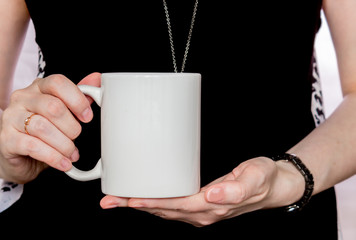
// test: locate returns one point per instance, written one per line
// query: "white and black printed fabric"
(9, 194)
(317, 107)
(41, 64)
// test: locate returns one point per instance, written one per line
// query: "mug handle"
(75, 173)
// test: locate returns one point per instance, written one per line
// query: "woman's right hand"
(58, 104)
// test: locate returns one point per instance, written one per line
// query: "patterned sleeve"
(9, 194)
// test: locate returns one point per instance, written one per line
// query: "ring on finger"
(27, 122)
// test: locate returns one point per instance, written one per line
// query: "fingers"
(192, 209)
(44, 142)
(167, 203)
(66, 91)
(55, 98)
(194, 203)
(55, 111)
(25, 145)
(43, 129)
(48, 137)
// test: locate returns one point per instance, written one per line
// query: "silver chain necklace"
(171, 36)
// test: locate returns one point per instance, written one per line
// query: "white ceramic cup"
(150, 134)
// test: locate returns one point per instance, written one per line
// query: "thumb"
(228, 192)
(251, 178)
(93, 79)
(242, 184)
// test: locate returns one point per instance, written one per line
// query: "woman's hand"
(58, 104)
(258, 183)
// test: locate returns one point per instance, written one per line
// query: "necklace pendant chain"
(171, 36)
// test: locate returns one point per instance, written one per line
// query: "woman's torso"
(255, 58)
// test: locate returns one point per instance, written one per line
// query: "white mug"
(150, 134)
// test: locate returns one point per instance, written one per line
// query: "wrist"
(292, 183)
(308, 180)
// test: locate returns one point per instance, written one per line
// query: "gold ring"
(27, 122)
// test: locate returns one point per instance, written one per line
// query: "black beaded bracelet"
(309, 180)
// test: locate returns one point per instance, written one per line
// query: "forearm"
(330, 150)
(14, 19)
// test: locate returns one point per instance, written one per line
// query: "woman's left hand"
(258, 183)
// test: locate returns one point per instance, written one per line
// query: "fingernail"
(87, 114)
(215, 195)
(75, 155)
(66, 164)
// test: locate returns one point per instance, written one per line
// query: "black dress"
(255, 58)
